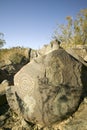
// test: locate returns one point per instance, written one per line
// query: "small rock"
(85, 100)
(3, 86)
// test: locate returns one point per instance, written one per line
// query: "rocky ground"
(10, 121)
(78, 121)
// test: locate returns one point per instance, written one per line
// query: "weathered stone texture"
(48, 89)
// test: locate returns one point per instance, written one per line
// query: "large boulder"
(48, 89)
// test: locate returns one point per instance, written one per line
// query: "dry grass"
(6, 54)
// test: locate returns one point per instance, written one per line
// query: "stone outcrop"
(44, 50)
(48, 89)
(80, 53)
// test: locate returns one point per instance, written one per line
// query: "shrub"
(17, 58)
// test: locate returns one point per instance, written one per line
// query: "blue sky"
(31, 23)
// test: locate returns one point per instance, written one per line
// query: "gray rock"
(79, 120)
(3, 86)
(76, 53)
(48, 89)
(54, 45)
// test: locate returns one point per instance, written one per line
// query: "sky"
(31, 23)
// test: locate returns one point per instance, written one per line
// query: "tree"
(75, 31)
(2, 41)
(80, 28)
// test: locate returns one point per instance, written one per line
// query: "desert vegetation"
(75, 31)
(2, 41)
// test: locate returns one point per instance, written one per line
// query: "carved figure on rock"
(48, 89)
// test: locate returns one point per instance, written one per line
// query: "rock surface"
(48, 89)
(79, 52)
(79, 119)
(3, 86)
